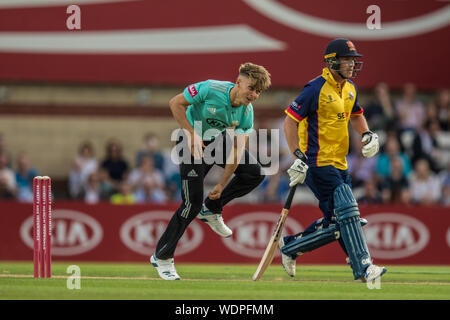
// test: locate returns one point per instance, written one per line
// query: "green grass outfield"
(221, 282)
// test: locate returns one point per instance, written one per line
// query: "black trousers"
(247, 177)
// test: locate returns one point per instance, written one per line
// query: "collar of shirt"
(326, 73)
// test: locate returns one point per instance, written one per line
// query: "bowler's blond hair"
(257, 73)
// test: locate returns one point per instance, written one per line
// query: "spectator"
(124, 196)
(410, 111)
(8, 186)
(106, 184)
(173, 178)
(152, 149)
(150, 192)
(391, 151)
(394, 188)
(84, 165)
(147, 181)
(92, 189)
(431, 111)
(425, 187)
(173, 185)
(443, 104)
(114, 163)
(371, 193)
(24, 178)
(380, 111)
(425, 145)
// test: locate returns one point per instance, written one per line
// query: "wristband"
(300, 155)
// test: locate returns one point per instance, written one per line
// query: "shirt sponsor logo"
(216, 123)
(192, 91)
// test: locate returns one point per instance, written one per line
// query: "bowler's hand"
(370, 144)
(216, 192)
(297, 172)
(197, 145)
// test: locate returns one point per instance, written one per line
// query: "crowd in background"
(412, 166)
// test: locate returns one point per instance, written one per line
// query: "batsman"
(316, 129)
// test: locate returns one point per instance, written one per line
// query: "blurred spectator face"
(432, 111)
(396, 167)
(434, 127)
(443, 99)
(422, 169)
(409, 92)
(152, 142)
(94, 180)
(23, 162)
(147, 164)
(370, 188)
(125, 188)
(102, 174)
(405, 196)
(392, 147)
(86, 150)
(114, 150)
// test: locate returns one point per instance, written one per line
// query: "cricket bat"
(273, 242)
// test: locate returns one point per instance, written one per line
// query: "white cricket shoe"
(165, 268)
(215, 221)
(286, 261)
(373, 272)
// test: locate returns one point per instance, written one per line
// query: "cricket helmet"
(341, 48)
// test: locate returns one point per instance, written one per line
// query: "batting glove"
(297, 172)
(370, 144)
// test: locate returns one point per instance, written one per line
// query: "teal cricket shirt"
(211, 108)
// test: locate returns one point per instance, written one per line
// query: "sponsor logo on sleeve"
(294, 105)
(192, 91)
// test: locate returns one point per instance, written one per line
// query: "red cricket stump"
(49, 228)
(36, 226)
(42, 227)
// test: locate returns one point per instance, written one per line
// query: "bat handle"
(287, 204)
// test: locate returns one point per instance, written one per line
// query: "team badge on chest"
(351, 95)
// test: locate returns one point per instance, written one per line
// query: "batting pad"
(347, 215)
(311, 241)
(320, 237)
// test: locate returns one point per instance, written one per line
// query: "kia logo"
(395, 236)
(252, 232)
(141, 233)
(73, 232)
